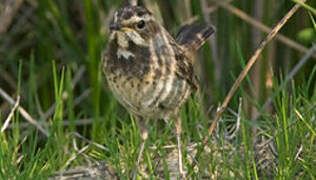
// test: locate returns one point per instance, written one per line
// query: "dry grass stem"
(239, 13)
(215, 7)
(299, 152)
(245, 71)
(24, 113)
(234, 133)
(78, 122)
(7, 121)
(75, 156)
(90, 142)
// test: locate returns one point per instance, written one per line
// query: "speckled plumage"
(155, 78)
(148, 84)
(149, 72)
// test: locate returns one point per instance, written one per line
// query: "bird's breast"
(144, 78)
(150, 97)
(130, 60)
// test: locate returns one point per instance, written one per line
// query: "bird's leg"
(178, 132)
(144, 136)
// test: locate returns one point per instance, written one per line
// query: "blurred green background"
(58, 43)
(73, 34)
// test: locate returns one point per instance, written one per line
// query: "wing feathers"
(193, 36)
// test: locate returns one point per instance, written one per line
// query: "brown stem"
(261, 26)
(250, 63)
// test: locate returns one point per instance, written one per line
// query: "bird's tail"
(193, 36)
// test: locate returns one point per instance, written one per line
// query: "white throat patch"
(124, 53)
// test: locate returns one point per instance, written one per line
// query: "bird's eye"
(141, 24)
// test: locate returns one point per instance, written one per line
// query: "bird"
(150, 72)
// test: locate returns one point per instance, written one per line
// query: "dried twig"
(24, 113)
(250, 63)
(78, 122)
(234, 133)
(73, 157)
(90, 142)
(299, 152)
(97, 170)
(82, 96)
(215, 7)
(261, 26)
(7, 121)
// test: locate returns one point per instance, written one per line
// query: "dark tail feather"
(193, 36)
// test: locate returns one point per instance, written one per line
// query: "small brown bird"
(149, 72)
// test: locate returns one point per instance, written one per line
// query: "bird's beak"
(115, 26)
(119, 27)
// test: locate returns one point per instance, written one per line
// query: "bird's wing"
(193, 36)
(185, 68)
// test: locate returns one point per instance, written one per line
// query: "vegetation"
(64, 116)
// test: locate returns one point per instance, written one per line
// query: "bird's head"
(134, 23)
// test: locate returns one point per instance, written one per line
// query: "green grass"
(61, 38)
(289, 128)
